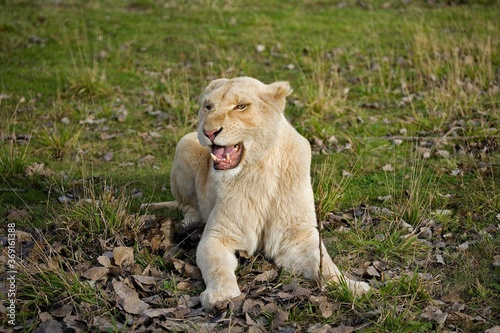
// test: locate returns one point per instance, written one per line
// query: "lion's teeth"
(228, 157)
(236, 147)
(213, 157)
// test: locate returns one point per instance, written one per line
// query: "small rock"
(385, 197)
(442, 153)
(388, 168)
(346, 173)
(260, 48)
(463, 246)
(406, 226)
(439, 259)
(425, 233)
(108, 156)
(65, 120)
(372, 271)
(64, 199)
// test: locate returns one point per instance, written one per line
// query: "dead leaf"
(124, 256)
(326, 308)
(15, 215)
(148, 159)
(44, 316)
(22, 236)
(168, 229)
(494, 329)
(105, 324)
(341, 329)
(280, 319)
(266, 276)
(50, 326)
(95, 273)
(154, 313)
(128, 298)
(252, 307)
(61, 311)
(434, 314)
(145, 282)
(75, 323)
(187, 269)
(451, 298)
(184, 285)
(104, 261)
(318, 328)
(188, 301)
(38, 169)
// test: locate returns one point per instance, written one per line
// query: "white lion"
(246, 174)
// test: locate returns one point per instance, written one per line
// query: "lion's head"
(240, 118)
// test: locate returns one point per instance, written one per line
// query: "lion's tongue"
(221, 151)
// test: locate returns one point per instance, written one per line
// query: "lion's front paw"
(215, 297)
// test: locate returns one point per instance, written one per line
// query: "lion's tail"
(170, 205)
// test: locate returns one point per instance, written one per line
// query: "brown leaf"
(183, 285)
(266, 276)
(105, 323)
(44, 316)
(104, 261)
(124, 256)
(168, 229)
(145, 282)
(434, 314)
(187, 269)
(326, 308)
(14, 215)
(451, 298)
(50, 326)
(181, 312)
(341, 329)
(59, 310)
(153, 313)
(128, 298)
(280, 319)
(75, 323)
(95, 273)
(252, 307)
(144, 279)
(188, 301)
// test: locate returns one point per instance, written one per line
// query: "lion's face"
(239, 119)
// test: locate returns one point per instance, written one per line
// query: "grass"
(403, 96)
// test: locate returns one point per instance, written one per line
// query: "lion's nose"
(212, 134)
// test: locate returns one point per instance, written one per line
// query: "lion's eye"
(208, 107)
(241, 107)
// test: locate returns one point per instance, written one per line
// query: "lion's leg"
(217, 264)
(185, 170)
(300, 254)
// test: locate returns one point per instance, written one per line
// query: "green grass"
(101, 91)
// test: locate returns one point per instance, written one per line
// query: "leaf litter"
(168, 299)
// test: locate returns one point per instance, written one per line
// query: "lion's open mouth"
(227, 157)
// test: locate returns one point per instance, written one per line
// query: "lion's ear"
(277, 92)
(215, 84)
